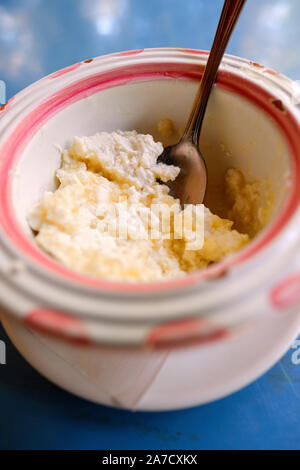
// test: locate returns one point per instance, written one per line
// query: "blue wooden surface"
(40, 36)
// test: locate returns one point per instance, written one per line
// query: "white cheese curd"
(109, 180)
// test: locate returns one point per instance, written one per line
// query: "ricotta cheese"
(100, 220)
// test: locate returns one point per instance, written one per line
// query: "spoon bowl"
(190, 184)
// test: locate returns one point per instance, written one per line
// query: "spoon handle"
(229, 16)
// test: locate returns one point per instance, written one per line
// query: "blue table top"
(38, 37)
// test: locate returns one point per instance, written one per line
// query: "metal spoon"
(190, 184)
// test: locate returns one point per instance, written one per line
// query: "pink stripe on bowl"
(287, 293)
(59, 325)
(68, 69)
(128, 53)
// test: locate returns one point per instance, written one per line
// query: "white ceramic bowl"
(251, 123)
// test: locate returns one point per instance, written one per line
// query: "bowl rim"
(225, 80)
(262, 86)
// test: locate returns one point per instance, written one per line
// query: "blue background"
(38, 37)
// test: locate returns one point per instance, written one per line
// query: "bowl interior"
(236, 133)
